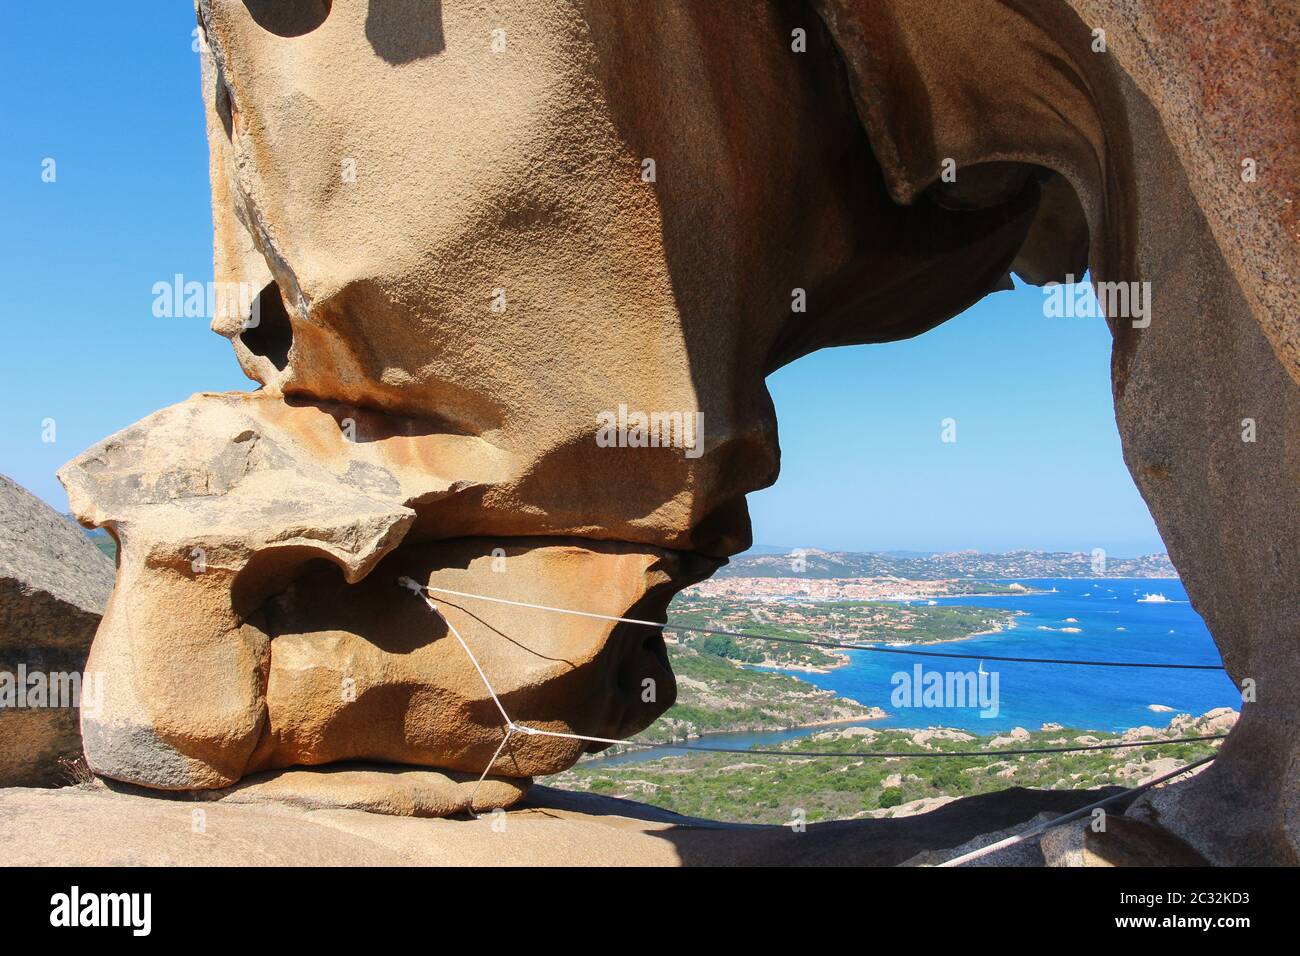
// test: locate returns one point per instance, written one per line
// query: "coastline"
(974, 634)
(1136, 731)
(859, 677)
(842, 658)
(874, 713)
(622, 748)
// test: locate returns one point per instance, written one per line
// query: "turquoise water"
(1113, 624)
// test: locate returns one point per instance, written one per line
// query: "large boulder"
(266, 559)
(517, 276)
(54, 584)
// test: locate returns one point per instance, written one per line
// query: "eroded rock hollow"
(473, 237)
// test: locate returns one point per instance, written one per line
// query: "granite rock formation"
(272, 563)
(1180, 142)
(54, 584)
(476, 237)
(296, 827)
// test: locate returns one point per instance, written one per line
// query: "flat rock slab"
(100, 827)
(398, 791)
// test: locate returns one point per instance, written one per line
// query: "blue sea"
(1114, 623)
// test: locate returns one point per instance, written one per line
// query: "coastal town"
(845, 589)
(811, 563)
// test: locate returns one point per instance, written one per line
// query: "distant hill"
(769, 562)
(920, 566)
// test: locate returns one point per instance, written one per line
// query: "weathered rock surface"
(54, 584)
(451, 298)
(374, 788)
(1160, 125)
(1124, 842)
(78, 827)
(326, 671)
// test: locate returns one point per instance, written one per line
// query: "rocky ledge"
(95, 826)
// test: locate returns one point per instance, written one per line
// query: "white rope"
(488, 769)
(511, 726)
(408, 583)
(531, 731)
(811, 640)
(1073, 815)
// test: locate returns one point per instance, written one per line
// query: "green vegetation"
(720, 689)
(846, 621)
(768, 789)
(716, 695)
(720, 645)
(724, 615)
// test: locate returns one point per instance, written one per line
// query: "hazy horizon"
(769, 549)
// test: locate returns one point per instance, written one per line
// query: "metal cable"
(837, 645)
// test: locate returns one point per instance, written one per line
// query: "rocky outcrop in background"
(54, 584)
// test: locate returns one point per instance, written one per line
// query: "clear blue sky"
(1036, 463)
(117, 104)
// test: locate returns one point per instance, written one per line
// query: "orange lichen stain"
(1241, 69)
